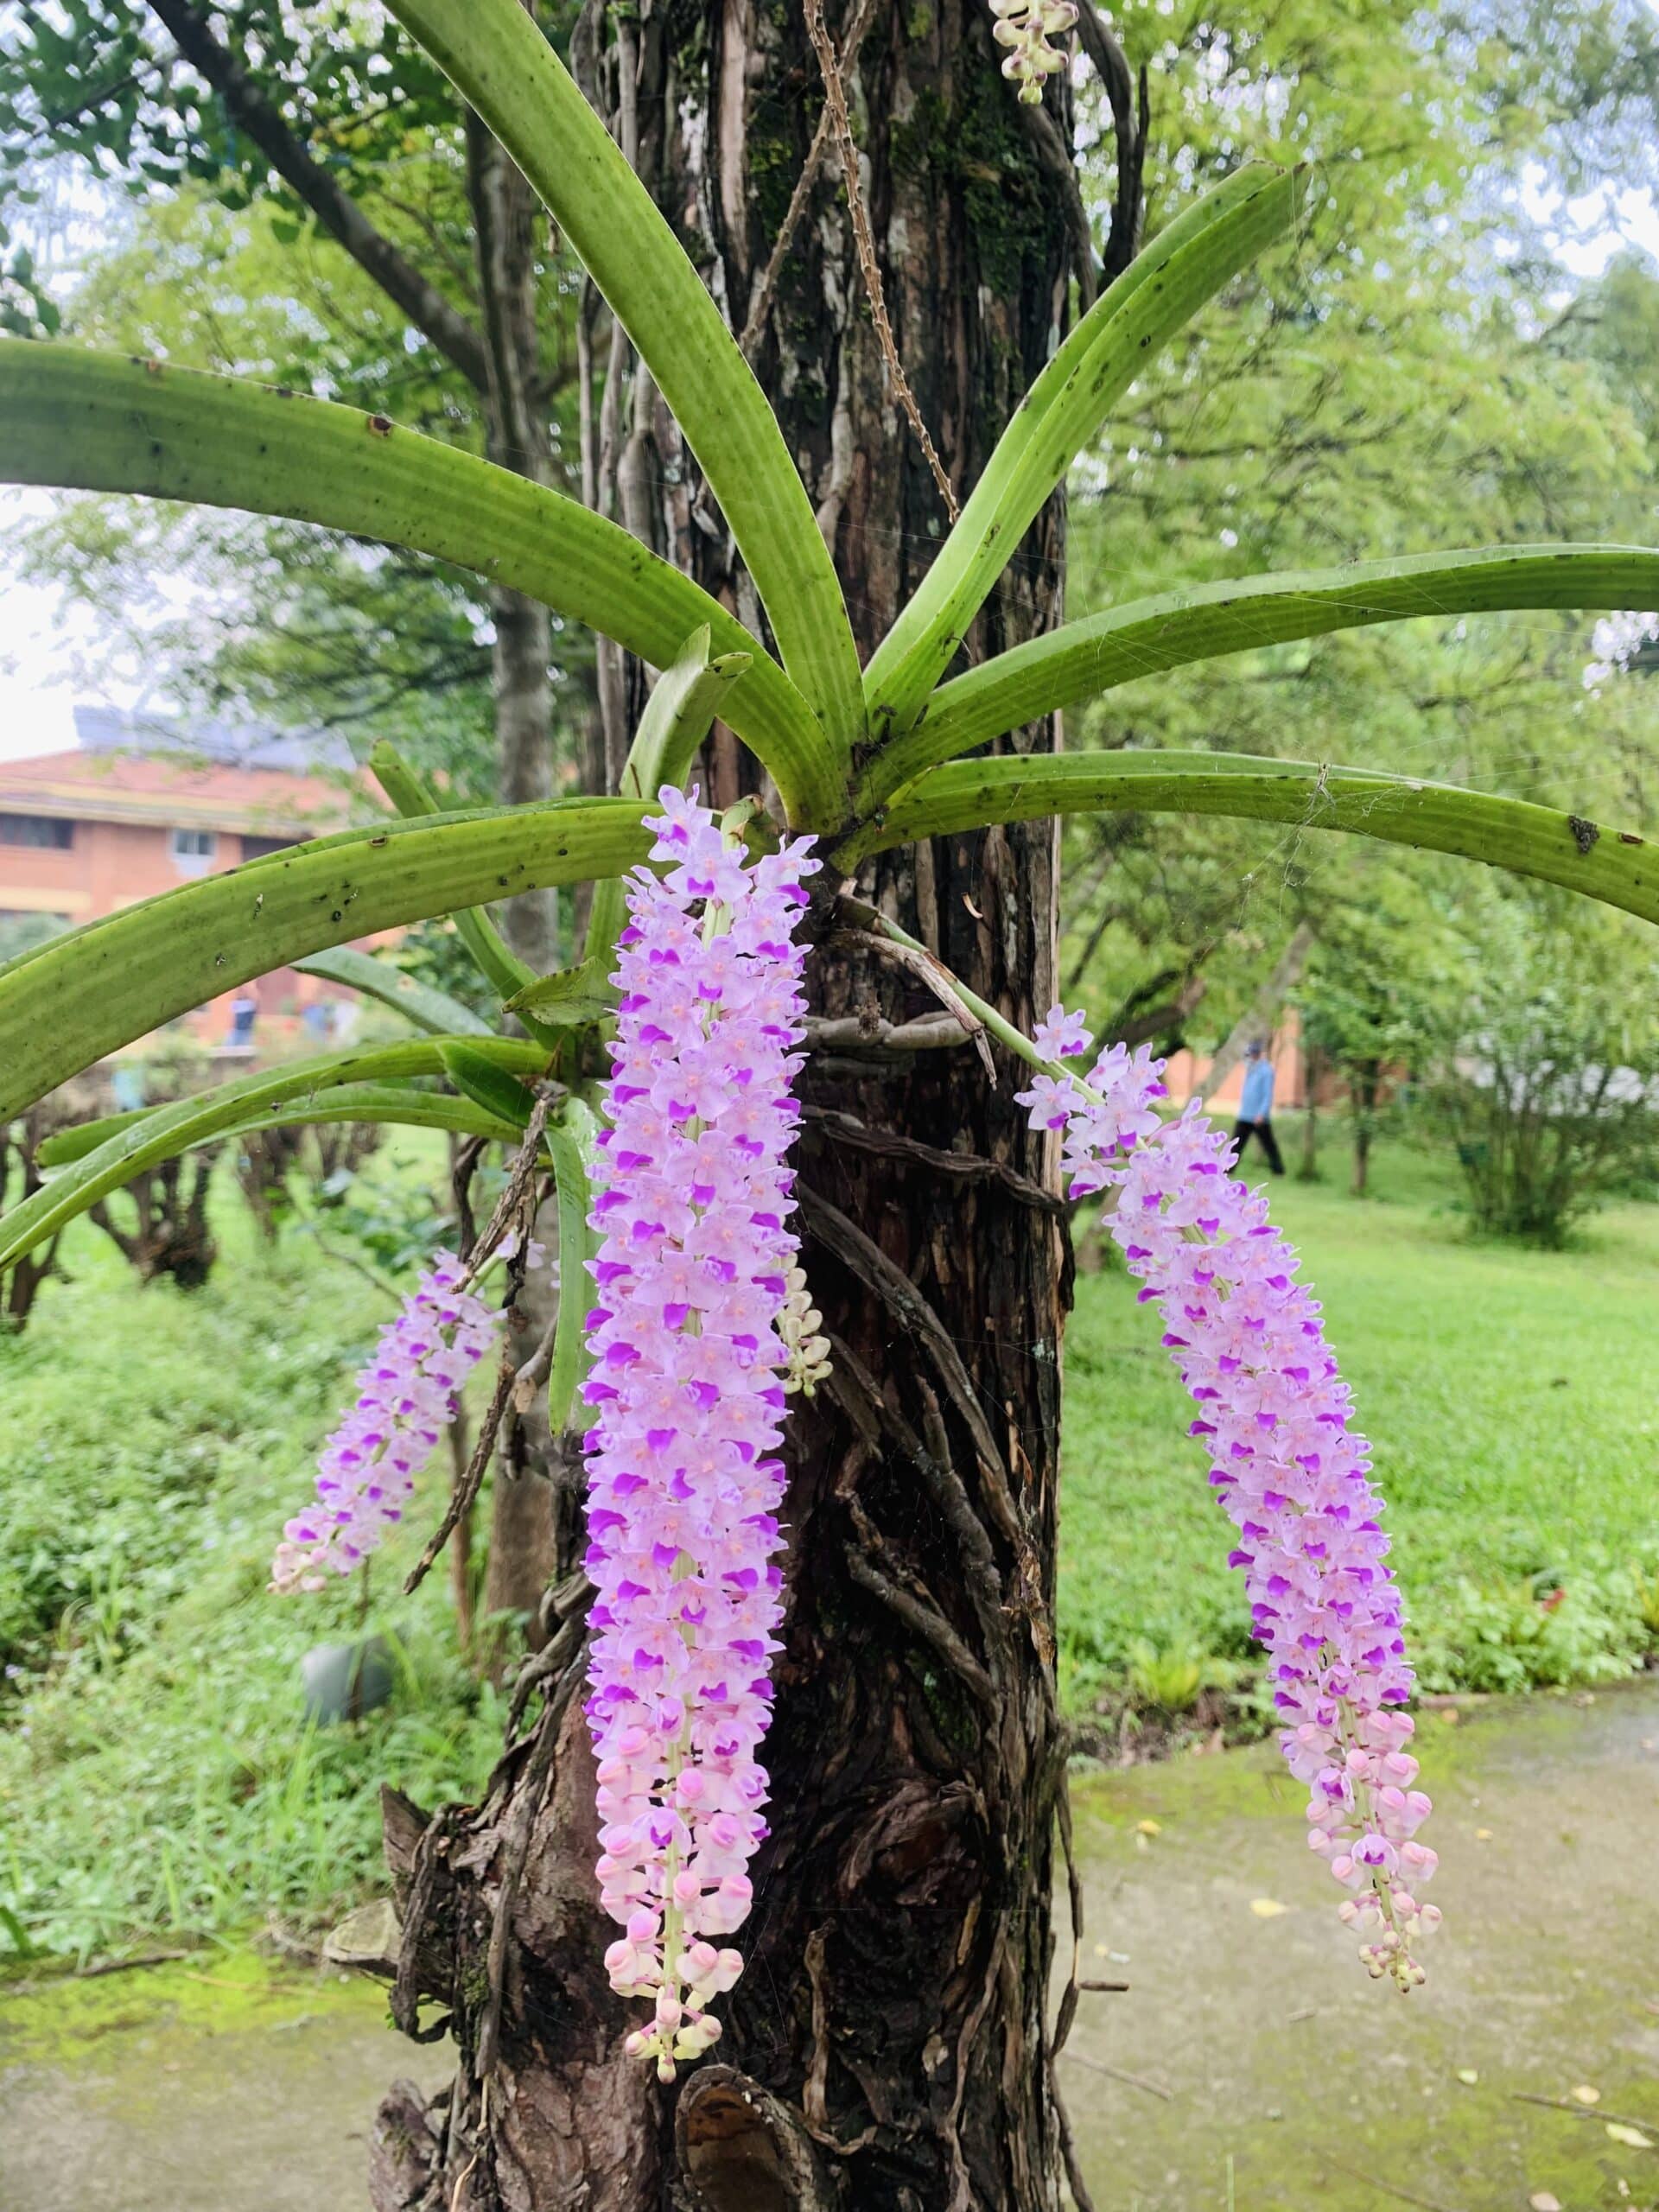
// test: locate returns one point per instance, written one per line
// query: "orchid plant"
(691, 972)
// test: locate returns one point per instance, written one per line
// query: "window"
(257, 848)
(193, 850)
(48, 830)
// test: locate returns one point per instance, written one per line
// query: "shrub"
(1548, 1075)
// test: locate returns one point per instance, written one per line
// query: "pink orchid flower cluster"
(407, 1396)
(1274, 1414)
(690, 1366)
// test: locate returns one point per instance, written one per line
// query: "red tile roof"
(127, 787)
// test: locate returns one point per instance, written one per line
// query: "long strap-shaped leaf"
(101, 423)
(1084, 659)
(569, 1139)
(1615, 866)
(402, 1103)
(428, 1008)
(493, 54)
(68, 1002)
(1183, 266)
(677, 717)
(136, 1141)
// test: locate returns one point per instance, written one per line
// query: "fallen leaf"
(1468, 2075)
(1585, 2095)
(1267, 1908)
(1483, 1835)
(1148, 1827)
(1631, 2138)
(1543, 2202)
(1450, 1716)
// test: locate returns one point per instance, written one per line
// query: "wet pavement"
(1268, 2070)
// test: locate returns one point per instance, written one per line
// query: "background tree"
(1376, 986)
(1401, 381)
(1546, 1070)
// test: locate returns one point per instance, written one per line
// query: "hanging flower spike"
(1024, 27)
(1274, 1414)
(406, 1397)
(700, 1325)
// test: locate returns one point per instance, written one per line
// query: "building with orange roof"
(144, 804)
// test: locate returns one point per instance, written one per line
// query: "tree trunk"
(522, 1554)
(1314, 1072)
(1367, 1083)
(889, 2048)
(504, 216)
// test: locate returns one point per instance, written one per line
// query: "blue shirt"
(1256, 1104)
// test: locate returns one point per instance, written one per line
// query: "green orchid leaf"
(1162, 288)
(102, 422)
(569, 1144)
(392, 1102)
(495, 55)
(1082, 659)
(432, 1010)
(678, 718)
(345, 1102)
(1616, 866)
(100, 1156)
(495, 960)
(477, 1076)
(573, 998)
(65, 1005)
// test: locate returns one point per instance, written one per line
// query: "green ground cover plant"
(157, 1775)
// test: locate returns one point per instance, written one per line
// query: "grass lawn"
(156, 1773)
(1512, 1400)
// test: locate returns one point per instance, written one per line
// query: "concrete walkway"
(1251, 2067)
(1255, 2066)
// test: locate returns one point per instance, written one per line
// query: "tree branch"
(1130, 118)
(334, 208)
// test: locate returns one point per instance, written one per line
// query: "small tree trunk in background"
(1367, 1083)
(505, 214)
(504, 218)
(1309, 1170)
(890, 2047)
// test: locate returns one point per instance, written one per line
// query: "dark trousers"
(1262, 1132)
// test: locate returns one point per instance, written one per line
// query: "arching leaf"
(430, 1009)
(1164, 286)
(1082, 659)
(1615, 866)
(102, 422)
(66, 1004)
(124, 1145)
(499, 61)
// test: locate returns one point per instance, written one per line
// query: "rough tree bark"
(891, 2045)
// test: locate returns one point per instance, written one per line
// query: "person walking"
(1255, 1108)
